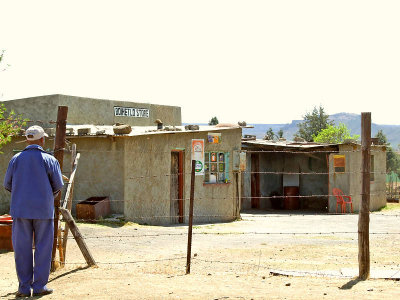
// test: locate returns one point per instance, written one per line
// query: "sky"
(258, 61)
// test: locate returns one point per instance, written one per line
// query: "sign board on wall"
(198, 155)
(239, 161)
(120, 111)
(339, 163)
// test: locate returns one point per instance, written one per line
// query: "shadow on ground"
(350, 284)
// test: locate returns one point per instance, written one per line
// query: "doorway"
(176, 187)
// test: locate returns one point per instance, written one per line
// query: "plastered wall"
(83, 110)
(350, 182)
(100, 169)
(147, 184)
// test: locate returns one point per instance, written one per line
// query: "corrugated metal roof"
(287, 144)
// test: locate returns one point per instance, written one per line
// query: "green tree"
(334, 135)
(269, 135)
(392, 158)
(213, 121)
(392, 161)
(280, 133)
(382, 138)
(10, 123)
(313, 123)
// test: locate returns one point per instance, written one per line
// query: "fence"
(234, 249)
(392, 186)
(210, 205)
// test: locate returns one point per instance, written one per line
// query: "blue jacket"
(32, 177)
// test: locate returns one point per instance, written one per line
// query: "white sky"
(259, 61)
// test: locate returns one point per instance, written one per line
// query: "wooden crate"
(93, 208)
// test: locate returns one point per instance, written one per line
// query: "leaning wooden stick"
(78, 237)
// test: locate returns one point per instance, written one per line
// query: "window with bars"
(216, 167)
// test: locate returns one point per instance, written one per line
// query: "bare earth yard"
(238, 260)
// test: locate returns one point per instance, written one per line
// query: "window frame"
(215, 165)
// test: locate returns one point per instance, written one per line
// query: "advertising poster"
(198, 155)
(214, 138)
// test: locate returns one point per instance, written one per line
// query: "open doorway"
(176, 187)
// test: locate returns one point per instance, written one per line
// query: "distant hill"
(352, 121)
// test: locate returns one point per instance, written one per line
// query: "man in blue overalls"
(33, 177)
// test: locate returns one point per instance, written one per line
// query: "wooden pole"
(189, 247)
(59, 155)
(78, 237)
(363, 216)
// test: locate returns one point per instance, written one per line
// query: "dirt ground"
(238, 260)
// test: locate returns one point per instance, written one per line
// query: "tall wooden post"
(189, 247)
(59, 155)
(363, 217)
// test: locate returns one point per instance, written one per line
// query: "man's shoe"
(20, 295)
(43, 292)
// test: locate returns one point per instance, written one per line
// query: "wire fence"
(244, 256)
(222, 248)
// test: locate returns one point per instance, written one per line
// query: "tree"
(213, 121)
(392, 161)
(313, 123)
(392, 158)
(382, 138)
(334, 134)
(10, 123)
(269, 135)
(2, 68)
(280, 133)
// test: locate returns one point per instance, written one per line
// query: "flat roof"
(107, 130)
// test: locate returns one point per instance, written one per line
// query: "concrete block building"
(145, 173)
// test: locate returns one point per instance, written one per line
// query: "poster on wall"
(198, 155)
(214, 138)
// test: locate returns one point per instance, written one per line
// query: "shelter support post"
(189, 247)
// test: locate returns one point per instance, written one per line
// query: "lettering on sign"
(120, 111)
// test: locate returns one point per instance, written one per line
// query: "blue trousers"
(32, 270)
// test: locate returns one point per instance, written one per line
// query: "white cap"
(34, 133)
